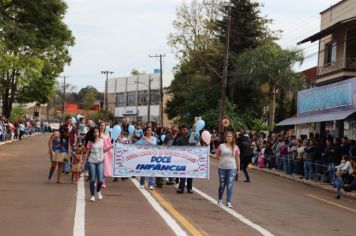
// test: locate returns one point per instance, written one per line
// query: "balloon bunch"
(206, 136)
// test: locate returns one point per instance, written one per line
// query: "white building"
(128, 96)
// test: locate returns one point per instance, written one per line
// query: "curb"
(323, 186)
(16, 140)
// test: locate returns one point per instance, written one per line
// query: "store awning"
(329, 30)
(337, 115)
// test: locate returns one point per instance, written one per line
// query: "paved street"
(29, 205)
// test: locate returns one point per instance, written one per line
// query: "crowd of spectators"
(24, 127)
(310, 157)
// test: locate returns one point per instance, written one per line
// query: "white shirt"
(227, 156)
(96, 151)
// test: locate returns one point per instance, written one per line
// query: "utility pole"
(64, 94)
(227, 6)
(225, 71)
(161, 85)
(106, 72)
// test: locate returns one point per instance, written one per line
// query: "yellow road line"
(179, 217)
(332, 203)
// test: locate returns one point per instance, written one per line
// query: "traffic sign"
(225, 122)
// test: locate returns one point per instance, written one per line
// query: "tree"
(86, 92)
(35, 48)
(247, 31)
(194, 89)
(89, 99)
(273, 65)
(18, 113)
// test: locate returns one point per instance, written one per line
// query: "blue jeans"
(317, 171)
(226, 178)
(339, 183)
(66, 165)
(353, 184)
(150, 181)
(332, 170)
(285, 164)
(308, 169)
(279, 163)
(96, 172)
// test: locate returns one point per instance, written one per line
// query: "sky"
(119, 35)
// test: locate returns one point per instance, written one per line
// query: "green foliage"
(259, 70)
(258, 125)
(134, 71)
(18, 113)
(102, 115)
(34, 49)
(248, 28)
(89, 99)
(88, 96)
(274, 66)
(236, 122)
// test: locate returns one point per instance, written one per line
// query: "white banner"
(160, 161)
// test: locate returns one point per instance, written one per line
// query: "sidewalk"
(324, 186)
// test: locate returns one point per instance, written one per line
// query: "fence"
(317, 170)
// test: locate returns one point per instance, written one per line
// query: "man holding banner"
(183, 140)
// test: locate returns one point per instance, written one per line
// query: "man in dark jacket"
(246, 154)
(183, 140)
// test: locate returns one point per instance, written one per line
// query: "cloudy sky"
(119, 35)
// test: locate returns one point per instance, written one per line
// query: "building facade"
(129, 96)
(330, 106)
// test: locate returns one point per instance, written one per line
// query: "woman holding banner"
(148, 139)
(96, 148)
(229, 166)
(104, 134)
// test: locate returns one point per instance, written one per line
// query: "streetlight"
(106, 88)
(161, 107)
(149, 97)
(64, 94)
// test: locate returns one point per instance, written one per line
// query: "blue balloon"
(163, 137)
(131, 129)
(197, 136)
(79, 116)
(116, 131)
(74, 121)
(107, 129)
(199, 125)
(140, 142)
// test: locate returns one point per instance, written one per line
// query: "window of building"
(330, 53)
(142, 98)
(139, 119)
(131, 98)
(155, 97)
(120, 97)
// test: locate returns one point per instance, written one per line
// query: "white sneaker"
(220, 203)
(100, 196)
(151, 188)
(142, 186)
(92, 198)
(229, 205)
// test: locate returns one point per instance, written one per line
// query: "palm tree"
(272, 65)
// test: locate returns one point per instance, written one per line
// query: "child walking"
(77, 163)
